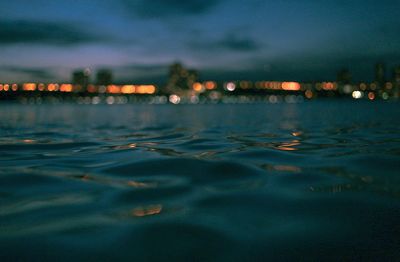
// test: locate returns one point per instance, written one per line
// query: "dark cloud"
(230, 42)
(168, 8)
(237, 43)
(36, 32)
(145, 67)
(34, 73)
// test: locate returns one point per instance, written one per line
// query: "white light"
(230, 86)
(110, 100)
(95, 100)
(194, 99)
(174, 99)
(357, 94)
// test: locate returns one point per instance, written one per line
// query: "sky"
(299, 40)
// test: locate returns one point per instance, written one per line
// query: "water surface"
(310, 181)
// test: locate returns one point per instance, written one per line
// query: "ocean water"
(313, 181)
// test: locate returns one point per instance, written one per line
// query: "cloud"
(230, 42)
(36, 32)
(169, 8)
(32, 73)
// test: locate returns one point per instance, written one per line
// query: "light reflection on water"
(209, 182)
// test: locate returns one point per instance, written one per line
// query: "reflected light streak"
(287, 168)
(147, 211)
(288, 146)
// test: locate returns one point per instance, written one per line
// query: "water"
(312, 181)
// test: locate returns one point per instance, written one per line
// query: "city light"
(29, 87)
(183, 86)
(291, 86)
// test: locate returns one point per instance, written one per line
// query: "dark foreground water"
(312, 181)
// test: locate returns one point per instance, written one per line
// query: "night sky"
(42, 40)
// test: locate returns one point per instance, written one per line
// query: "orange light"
(66, 88)
(28, 87)
(128, 89)
(52, 87)
(291, 86)
(14, 87)
(309, 94)
(145, 89)
(1, 87)
(328, 86)
(113, 89)
(210, 85)
(91, 89)
(41, 87)
(198, 87)
(371, 96)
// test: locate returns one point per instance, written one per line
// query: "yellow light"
(145, 89)
(128, 89)
(29, 87)
(291, 86)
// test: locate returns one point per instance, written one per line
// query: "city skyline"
(138, 40)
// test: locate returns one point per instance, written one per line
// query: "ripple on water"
(219, 182)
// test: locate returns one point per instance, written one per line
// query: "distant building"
(396, 75)
(81, 78)
(104, 77)
(396, 81)
(344, 77)
(380, 74)
(180, 78)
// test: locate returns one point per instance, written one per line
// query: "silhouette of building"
(80, 78)
(396, 75)
(396, 81)
(380, 74)
(344, 76)
(104, 77)
(180, 78)
(344, 79)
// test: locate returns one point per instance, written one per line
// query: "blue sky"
(43, 40)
